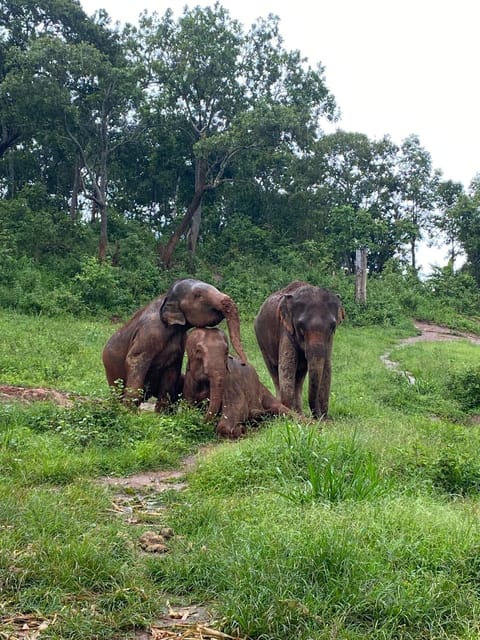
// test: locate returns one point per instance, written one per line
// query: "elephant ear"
(171, 313)
(285, 312)
(341, 315)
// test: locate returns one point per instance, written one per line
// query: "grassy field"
(365, 526)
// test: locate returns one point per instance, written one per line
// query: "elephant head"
(310, 316)
(207, 352)
(193, 303)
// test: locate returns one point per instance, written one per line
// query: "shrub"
(97, 284)
(457, 475)
(464, 386)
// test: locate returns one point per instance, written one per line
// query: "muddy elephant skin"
(144, 357)
(232, 387)
(295, 328)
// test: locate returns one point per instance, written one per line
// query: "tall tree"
(234, 92)
(467, 214)
(22, 23)
(417, 189)
(354, 184)
(74, 93)
(448, 196)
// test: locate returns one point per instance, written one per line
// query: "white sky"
(395, 67)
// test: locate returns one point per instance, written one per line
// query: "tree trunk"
(100, 188)
(200, 180)
(167, 252)
(76, 188)
(7, 139)
(103, 243)
(413, 250)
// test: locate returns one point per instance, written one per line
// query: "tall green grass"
(363, 526)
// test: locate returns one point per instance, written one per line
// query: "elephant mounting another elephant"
(144, 357)
(232, 387)
(295, 328)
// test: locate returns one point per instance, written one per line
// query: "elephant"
(144, 357)
(295, 327)
(232, 387)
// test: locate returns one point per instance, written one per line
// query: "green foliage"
(360, 527)
(456, 290)
(457, 474)
(465, 387)
(98, 286)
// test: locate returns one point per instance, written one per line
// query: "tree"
(233, 92)
(448, 196)
(467, 214)
(353, 183)
(417, 189)
(99, 118)
(66, 93)
(22, 24)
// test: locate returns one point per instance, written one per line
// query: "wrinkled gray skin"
(233, 388)
(295, 328)
(145, 355)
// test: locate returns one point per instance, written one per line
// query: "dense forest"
(131, 155)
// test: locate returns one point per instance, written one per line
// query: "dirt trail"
(428, 333)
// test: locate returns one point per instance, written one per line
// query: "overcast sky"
(395, 68)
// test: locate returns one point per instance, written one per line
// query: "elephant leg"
(137, 372)
(300, 374)
(287, 366)
(169, 387)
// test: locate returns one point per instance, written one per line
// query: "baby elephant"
(233, 388)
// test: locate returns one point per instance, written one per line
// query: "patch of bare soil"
(154, 481)
(432, 332)
(25, 394)
(138, 499)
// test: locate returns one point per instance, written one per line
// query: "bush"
(457, 475)
(464, 386)
(98, 286)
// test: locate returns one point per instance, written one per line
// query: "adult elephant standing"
(295, 328)
(145, 355)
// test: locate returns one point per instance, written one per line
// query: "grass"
(365, 526)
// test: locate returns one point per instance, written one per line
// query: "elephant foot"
(321, 417)
(130, 402)
(231, 432)
(163, 405)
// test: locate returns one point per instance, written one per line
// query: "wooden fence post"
(361, 275)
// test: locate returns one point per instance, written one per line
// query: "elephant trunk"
(230, 311)
(316, 359)
(217, 386)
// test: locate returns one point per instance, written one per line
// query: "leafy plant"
(457, 475)
(465, 387)
(331, 471)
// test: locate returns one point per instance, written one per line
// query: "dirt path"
(428, 333)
